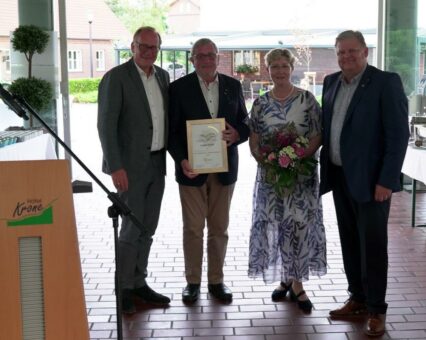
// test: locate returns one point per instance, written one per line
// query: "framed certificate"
(207, 152)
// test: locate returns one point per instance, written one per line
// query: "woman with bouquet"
(287, 241)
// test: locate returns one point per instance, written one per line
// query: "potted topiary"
(38, 93)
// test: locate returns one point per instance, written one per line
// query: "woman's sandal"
(279, 294)
(304, 305)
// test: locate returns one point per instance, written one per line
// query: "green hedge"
(84, 85)
(86, 97)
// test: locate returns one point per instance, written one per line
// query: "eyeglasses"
(145, 47)
(351, 51)
(201, 56)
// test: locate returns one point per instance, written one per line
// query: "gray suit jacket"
(124, 119)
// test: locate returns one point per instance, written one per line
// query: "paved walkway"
(252, 315)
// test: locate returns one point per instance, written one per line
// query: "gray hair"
(349, 34)
(202, 42)
(277, 53)
(147, 29)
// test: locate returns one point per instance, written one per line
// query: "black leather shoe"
(220, 292)
(191, 293)
(304, 305)
(127, 303)
(149, 296)
(280, 293)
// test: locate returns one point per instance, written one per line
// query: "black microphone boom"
(10, 101)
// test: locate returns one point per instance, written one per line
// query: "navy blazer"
(374, 135)
(187, 103)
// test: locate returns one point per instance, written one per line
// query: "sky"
(303, 14)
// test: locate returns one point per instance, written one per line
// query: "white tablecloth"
(38, 148)
(415, 163)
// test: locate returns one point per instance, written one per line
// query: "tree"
(400, 45)
(29, 39)
(303, 50)
(37, 92)
(140, 13)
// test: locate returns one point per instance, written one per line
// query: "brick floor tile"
(421, 334)
(333, 328)
(218, 337)
(201, 332)
(272, 322)
(172, 332)
(294, 329)
(232, 323)
(288, 336)
(245, 337)
(327, 336)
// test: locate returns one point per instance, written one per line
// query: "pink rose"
(283, 139)
(272, 156)
(264, 150)
(300, 152)
(284, 161)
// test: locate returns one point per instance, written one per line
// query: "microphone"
(10, 101)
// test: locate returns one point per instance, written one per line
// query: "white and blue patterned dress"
(287, 240)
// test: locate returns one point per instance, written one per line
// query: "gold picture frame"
(207, 151)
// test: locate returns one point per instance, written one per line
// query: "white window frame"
(424, 61)
(75, 63)
(100, 60)
(6, 61)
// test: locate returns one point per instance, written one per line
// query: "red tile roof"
(105, 24)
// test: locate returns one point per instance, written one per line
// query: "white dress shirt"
(156, 105)
(211, 95)
(341, 104)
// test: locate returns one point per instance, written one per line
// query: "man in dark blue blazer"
(365, 136)
(205, 94)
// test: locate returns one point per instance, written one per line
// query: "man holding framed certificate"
(207, 117)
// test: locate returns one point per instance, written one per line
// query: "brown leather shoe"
(375, 325)
(350, 308)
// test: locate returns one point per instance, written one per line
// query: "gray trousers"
(144, 199)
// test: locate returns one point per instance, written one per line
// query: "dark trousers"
(144, 199)
(364, 241)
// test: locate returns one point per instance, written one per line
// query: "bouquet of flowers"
(282, 155)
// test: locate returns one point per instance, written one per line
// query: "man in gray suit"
(132, 125)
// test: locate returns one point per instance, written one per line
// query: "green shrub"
(86, 97)
(246, 68)
(83, 85)
(37, 92)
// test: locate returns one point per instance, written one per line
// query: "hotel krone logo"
(32, 211)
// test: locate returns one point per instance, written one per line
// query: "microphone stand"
(20, 107)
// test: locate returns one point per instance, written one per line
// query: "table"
(415, 167)
(38, 148)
